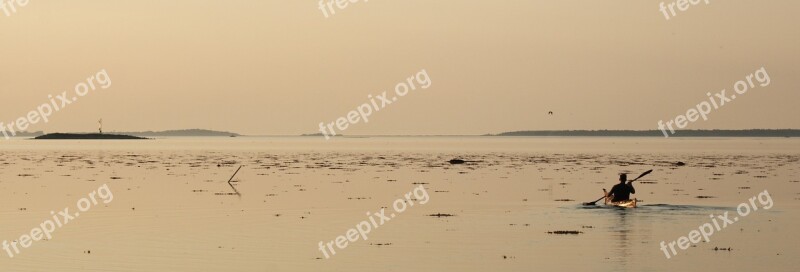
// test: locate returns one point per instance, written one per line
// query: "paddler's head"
(623, 178)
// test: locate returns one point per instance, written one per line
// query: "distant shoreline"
(782, 133)
(747, 133)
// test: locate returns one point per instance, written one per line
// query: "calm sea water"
(174, 211)
(430, 144)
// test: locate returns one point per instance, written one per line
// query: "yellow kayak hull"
(631, 203)
(622, 204)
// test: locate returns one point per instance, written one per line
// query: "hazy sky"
(281, 67)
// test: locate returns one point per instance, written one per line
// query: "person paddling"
(622, 191)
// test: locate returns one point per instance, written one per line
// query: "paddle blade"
(644, 174)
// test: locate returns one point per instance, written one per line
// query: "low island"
(87, 136)
(115, 135)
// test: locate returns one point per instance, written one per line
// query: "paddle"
(593, 202)
(642, 175)
(629, 182)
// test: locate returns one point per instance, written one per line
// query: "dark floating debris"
(231, 181)
(722, 249)
(680, 163)
(460, 161)
(441, 215)
(225, 194)
(702, 196)
(457, 161)
(565, 200)
(575, 232)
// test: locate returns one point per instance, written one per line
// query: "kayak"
(631, 203)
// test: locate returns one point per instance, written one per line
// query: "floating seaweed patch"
(565, 232)
(380, 244)
(225, 194)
